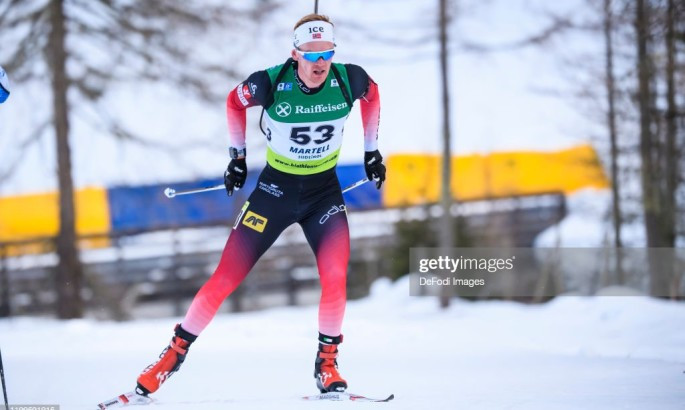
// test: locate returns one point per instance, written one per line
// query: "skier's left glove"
(373, 165)
(235, 175)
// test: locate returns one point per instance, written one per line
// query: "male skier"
(306, 101)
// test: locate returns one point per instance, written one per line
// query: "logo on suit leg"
(334, 210)
(255, 221)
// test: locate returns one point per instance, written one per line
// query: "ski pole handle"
(172, 193)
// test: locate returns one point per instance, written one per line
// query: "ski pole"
(4, 387)
(354, 185)
(171, 192)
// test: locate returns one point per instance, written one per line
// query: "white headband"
(313, 31)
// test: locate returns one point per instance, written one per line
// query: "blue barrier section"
(143, 208)
(146, 208)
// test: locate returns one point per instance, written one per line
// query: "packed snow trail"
(590, 353)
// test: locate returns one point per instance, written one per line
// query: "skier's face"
(313, 73)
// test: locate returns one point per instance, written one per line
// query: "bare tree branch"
(22, 149)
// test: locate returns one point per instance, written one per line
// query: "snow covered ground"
(572, 353)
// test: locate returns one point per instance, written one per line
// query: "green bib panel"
(304, 131)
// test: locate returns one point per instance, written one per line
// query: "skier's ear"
(294, 55)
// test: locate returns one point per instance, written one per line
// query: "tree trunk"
(648, 144)
(672, 150)
(611, 123)
(446, 225)
(669, 219)
(644, 78)
(5, 308)
(69, 269)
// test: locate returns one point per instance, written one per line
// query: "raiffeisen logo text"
(313, 109)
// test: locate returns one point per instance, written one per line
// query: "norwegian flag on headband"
(317, 30)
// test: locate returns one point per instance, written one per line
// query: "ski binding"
(127, 399)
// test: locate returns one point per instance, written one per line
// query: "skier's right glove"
(374, 168)
(235, 175)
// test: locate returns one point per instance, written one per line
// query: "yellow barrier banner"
(37, 215)
(415, 178)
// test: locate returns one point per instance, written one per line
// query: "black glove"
(235, 175)
(373, 165)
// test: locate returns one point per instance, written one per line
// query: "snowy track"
(589, 353)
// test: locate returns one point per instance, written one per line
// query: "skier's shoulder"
(259, 84)
(352, 69)
(357, 77)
